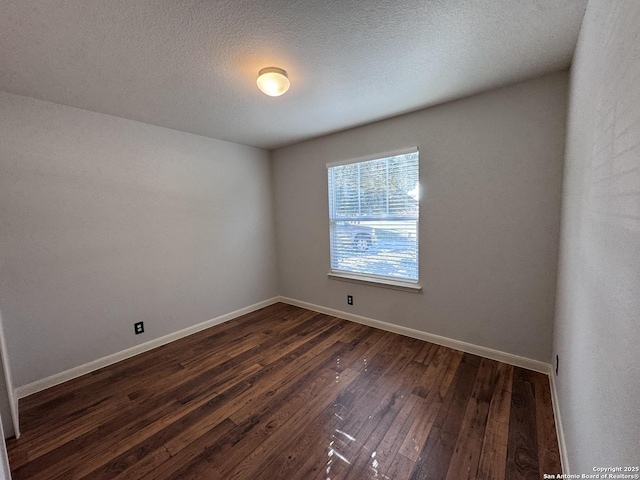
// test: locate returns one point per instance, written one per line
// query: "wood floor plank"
(357, 400)
(279, 427)
(80, 423)
(300, 376)
(435, 456)
(189, 462)
(292, 374)
(374, 412)
(367, 462)
(493, 457)
(522, 448)
(287, 393)
(400, 468)
(80, 461)
(258, 386)
(146, 456)
(466, 455)
(301, 457)
(548, 451)
(440, 377)
(425, 352)
(390, 444)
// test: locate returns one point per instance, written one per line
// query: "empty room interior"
(320, 240)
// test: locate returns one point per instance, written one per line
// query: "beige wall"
(491, 168)
(597, 333)
(106, 221)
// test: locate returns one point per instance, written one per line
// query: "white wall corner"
(58, 378)
(509, 358)
(5, 469)
(15, 415)
(11, 393)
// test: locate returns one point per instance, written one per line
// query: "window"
(373, 218)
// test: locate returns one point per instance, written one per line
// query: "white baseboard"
(39, 385)
(564, 460)
(518, 361)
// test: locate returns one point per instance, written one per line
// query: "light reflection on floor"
(341, 442)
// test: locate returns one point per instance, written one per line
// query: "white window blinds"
(373, 216)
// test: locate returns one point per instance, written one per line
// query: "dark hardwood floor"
(285, 393)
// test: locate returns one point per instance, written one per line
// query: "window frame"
(410, 285)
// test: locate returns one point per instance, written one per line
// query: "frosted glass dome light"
(273, 81)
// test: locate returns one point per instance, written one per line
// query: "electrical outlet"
(138, 327)
(557, 364)
(349, 299)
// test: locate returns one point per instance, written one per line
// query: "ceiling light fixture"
(273, 81)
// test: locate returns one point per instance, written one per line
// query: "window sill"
(376, 282)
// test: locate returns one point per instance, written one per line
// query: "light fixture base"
(272, 70)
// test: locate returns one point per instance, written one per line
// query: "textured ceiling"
(191, 64)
